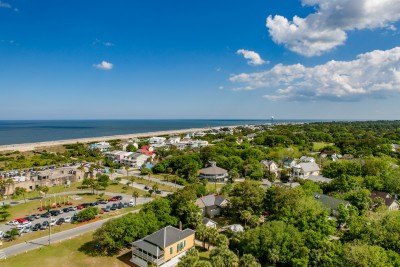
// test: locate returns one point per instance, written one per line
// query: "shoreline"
(33, 146)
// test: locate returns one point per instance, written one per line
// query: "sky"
(208, 59)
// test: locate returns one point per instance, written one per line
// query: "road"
(58, 237)
(126, 198)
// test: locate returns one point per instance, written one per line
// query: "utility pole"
(49, 227)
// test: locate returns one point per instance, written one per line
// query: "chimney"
(180, 225)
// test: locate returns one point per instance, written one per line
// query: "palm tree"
(248, 260)
(9, 182)
(202, 234)
(127, 170)
(132, 180)
(20, 191)
(245, 216)
(212, 234)
(155, 187)
(2, 187)
(135, 195)
(45, 189)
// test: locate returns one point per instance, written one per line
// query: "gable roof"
(308, 166)
(162, 238)
(330, 202)
(210, 200)
(385, 196)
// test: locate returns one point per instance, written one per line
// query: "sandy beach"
(41, 145)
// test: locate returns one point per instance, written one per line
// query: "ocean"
(20, 132)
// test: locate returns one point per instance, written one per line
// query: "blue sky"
(199, 59)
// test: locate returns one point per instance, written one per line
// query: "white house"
(307, 159)
(157, 140)
(390, 201)
(101, 146)
(271, 166)
(305, 169)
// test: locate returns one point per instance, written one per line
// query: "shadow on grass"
(91, 248)
(125, 258)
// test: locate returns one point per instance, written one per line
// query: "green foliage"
(223, 257)
(161, 207)
(88, 214)
(246, 196)
(4, 214)
(248, 260)
(338, 168)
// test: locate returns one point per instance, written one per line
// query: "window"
(184, 243)
(171, 250)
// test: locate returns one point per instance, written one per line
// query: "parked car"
(102, 201)
(45, 215)
(120, 205)
(80, 207)
(25, 230)
(53, 222)
(65, 210)
(67, 219)
(72, 208)
(60, 221)
(85, 205)
(36, 227)
(158, 192)
(21, 220)
(30, 218)
(118, 197)
(112, 199)
(114, 206)
(94, 204)
(126, 204)
(45, 225)
(37, 215)
(55, 212)
(146, 187)
(107, 209)
(23, 225)
(2, 234)
(13, 223)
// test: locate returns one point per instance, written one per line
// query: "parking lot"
(39, 219)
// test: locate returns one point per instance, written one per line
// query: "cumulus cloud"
(375, 75)
(5, 5)
(104, 65)
(326, 29)
(252, 57)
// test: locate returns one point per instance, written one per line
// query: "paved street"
(44, 241)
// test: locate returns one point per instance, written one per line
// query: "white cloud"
(4, 5)
(326, 29)
(371, 75)
(108, 44)
(104, 65)
(254, 58)
(221, 87)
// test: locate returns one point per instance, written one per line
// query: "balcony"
(147, 257)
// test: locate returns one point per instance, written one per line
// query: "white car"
(13, 223)
(72, 208)
(24, 224)
(53, 222)
(131, 203)
(67, 219)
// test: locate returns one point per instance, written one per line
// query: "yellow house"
(163, 248)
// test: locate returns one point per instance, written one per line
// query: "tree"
(221, 241)
(192, 259)
(103, 181)
(223, 257)
(135, 195)
(45, 189)
(248, 260)
(363, 255)
(13, 233)
(90, 182)
(212, 235)
(4, 214)
(88, 214)
(132, 180)
(248, 195)
(21, 191)
(245, 215)
(155, 187)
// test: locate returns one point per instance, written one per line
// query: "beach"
(41, 145)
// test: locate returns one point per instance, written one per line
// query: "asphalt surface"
(58, 237)
(126, 198)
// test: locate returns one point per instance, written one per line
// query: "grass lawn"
(117, 188)
(204, 254)
(317, 146)
(68, 253)
(214, 187)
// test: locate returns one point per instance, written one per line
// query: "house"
(163, 248)
(213, 173)
(305, 169)
(235, 228)
(271, 166)
(390, 201)
(148, 151)
(211, 205)
(157, 140)
(250, 137)
(209, 223)
(126, 144)
(199, 134)
(102, 146)
(289, 163)
(330, 203)
(319, 179)
(307, 159)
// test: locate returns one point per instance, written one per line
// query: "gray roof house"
(305, 169)
(162, 248)
(330, 203)
(213, 173)
(390, 201)
(211, 205)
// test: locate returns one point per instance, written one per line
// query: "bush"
(88, 214)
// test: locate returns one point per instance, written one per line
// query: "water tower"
(272, 120)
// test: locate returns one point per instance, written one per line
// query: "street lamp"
(49, 226)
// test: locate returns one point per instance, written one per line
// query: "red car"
(113, 199)
(20, 220)
(80, 207)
